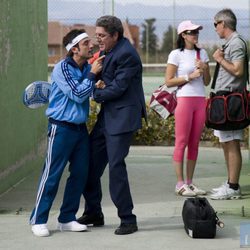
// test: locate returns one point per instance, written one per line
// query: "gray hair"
(228, 17)
(111, 24)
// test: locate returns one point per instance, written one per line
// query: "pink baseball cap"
(188, 25)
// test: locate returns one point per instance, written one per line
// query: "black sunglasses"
(192, 32)
(215, 24)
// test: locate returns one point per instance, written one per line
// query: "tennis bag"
(228, 110)
(199, 218)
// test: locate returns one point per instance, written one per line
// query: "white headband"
(76, 40)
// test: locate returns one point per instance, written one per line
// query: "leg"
(230, 141)
(231, 147)
(118, 148)
(78, 168)
(98, 162)
(226, 157)
(183, 122)
(233, 159)
(58, 151)
(199, 106)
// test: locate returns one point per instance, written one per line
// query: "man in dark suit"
(122, 108)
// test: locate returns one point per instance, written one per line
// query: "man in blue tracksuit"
(73, 81)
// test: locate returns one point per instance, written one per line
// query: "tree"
(167, 43)
(149, 38)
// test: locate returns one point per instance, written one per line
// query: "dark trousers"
(112, 149)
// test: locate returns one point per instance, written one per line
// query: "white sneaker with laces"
(72, 226)
(215, 190)
(226, 193)
(40, 230)
(184, 190)
(197, 190)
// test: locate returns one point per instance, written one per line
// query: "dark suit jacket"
(122, 99)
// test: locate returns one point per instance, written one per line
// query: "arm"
(236, 68)
(205, 70)
(206, 74)
(172, 81)
(67, 80)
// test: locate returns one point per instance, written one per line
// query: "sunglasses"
(215, 24)
(192, 32)
(101, 36)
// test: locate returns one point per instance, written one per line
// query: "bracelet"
(186, 77)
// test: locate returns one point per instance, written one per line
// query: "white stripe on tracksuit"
(45, 172)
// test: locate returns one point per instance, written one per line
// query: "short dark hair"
(70, 36)
(111, 24)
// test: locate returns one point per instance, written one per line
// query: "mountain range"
(86, 12)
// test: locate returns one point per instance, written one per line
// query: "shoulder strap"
(216, 71)
(198, 54)
(246, 59)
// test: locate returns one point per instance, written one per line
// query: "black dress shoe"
(126, 229)
(96, 220)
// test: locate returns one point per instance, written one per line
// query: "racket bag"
(199, 218)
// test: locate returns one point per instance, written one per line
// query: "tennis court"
(151, 82)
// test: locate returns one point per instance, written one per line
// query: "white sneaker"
(72, 226)
(197, 190)
(184, 190)
(215, 190)
(40, 230)
(226, 193)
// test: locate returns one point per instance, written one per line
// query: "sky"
(239, 4)
(202, 11)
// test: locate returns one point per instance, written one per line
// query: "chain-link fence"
(142, 18)
(152, 16)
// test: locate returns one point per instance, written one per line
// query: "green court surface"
(151, 83)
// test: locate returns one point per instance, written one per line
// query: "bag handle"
(198, 54)
(216, 71)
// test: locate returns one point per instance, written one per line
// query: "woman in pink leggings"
(188, 70)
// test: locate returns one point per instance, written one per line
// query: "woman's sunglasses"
(192, 32)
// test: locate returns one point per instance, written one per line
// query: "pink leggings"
(189, 123)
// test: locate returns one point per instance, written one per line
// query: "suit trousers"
(112, 149)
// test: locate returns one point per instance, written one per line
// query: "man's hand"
(97, 65)
(218, 55)
(100, 84)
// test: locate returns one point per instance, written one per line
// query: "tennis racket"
(36, 94)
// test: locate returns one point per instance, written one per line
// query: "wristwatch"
(186, 78)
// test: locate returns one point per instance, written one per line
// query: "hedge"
(158, 131)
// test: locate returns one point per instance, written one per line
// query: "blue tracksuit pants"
(65, 144)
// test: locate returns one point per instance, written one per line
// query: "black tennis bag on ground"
(199, 218)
